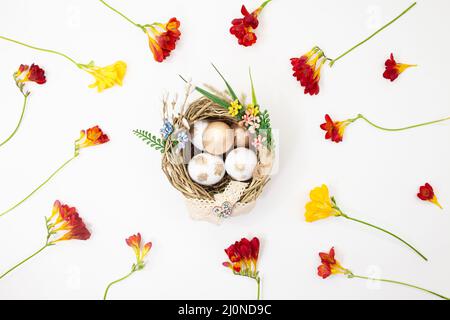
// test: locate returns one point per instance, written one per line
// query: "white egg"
(240, 164)
(206, 169)
(197, 133)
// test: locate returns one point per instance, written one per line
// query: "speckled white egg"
(206, 169)
(197, 131)
(240, 164)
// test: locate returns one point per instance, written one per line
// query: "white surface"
(119, 188)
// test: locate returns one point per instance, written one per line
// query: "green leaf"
(232, 93)
(267, 128)
(151, 140)
(211, 96)
(255, 102)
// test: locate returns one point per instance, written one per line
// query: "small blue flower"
(167, 129)
(183, 139)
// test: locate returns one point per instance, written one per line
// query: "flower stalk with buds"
(307, 68)
(140, 251)
(23, 75)
(88, 138)
(335, 129)
(322, 206)
(105, 77)
(64, 224)
(330, 266)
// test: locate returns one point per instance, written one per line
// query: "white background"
(119, 188)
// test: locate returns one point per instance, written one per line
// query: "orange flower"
(330, 265)
(162, 38)
(91, 137)
(134, 242)
(394, 69)
(426, 193)
(335, 129)
(65, 218)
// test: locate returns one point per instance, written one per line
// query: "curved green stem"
(400, 283)
(39, 187)
(385, 231)
(360, 116)
(23, 261)
(43, 50)
(19, 123)
(123, 16)
(133, 270)
(373, 35)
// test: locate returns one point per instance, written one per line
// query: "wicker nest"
(174, 164)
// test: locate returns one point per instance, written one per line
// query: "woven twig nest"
(173, 163)
(228, 197)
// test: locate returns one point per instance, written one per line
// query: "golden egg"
(218, 138)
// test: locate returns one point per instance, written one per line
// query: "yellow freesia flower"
(253, 110)
(320, 206)
(108, 76)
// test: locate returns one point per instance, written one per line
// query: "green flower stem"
(124, 16)
(265, 3)
(43, 50)
(133, 270)
(25, 260)
(360, 116)
(350, 276)
(373, 35)
(254, 276)
(258, 281)
(385, 231)
(40, 186)
(19, 123)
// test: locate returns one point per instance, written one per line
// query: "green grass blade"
(254, 100)
(232, 93)
(211, 96)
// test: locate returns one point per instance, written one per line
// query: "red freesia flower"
(334, 129)
(91, 137)
(242, 28)
(66, 218)
(329, 265)
(243, 256)
(36, 74)
(426, 193)
(307, 70)
(394, 69)
(33, 74)
(134, 242)
(162, 38)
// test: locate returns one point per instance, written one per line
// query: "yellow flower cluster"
(252, 110)
(234, 108)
